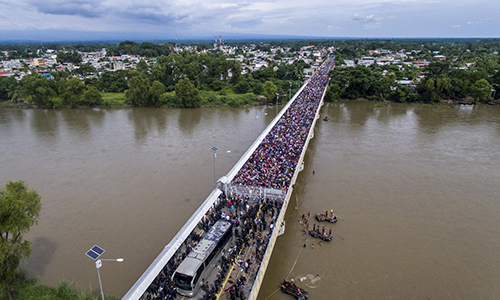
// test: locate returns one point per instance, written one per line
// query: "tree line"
(438, 81)
(470, 71)
(185, 73)
(191, 79)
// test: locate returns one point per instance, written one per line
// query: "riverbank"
(442, 103)
(65, 290)
(118, 100)
(222, 98)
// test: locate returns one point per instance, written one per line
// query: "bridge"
(254, 196)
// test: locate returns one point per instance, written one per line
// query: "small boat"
(289, 287)
(320, 235)
(326, 118)
(323, 218)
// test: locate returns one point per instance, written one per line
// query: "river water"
(416, 189)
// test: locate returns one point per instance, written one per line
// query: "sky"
(52, 20)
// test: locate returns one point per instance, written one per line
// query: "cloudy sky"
(167, 19)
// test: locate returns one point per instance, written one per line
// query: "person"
(312, 246)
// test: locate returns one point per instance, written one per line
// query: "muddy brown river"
(416, 189)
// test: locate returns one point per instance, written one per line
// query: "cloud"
(150, 15)
(83, 8)
(479, 22)
(246, 24)
(288, 17)
(370, 21)
(330, 27)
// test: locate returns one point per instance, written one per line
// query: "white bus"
(197, 263)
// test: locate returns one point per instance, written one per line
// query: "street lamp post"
(94, 253)
(215, 156)
(277, 101)
(98, 265)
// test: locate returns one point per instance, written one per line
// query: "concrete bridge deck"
(251, 181)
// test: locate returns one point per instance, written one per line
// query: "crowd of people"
(273, 163)
(252, 222)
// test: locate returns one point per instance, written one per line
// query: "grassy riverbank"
(30, 290)
(224, 98)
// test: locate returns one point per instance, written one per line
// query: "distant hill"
(59, 36)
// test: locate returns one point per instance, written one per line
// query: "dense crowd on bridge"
(253, 222)
(273, 163)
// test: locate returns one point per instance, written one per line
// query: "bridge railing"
(254, 193)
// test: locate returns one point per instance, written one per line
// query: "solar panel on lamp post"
(94, 253)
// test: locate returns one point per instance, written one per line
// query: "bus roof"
(189, 266)
(196, 257)
(217, 231)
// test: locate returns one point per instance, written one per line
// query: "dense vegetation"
(19, 210)
(190, 79)
(469, 73)
(216, 79)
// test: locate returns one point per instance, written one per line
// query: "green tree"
(403, 94)
(69, 57)
(155, 92)
(187, 93)
(92, 97)
(429, 91)
(443, 85)
(39, 88)
(333, 93)
(73, 92)
(138, 91)
(387, 85)
(269, 90)
(8, 88)
(19, 210)
(142, 67)
(85, 70)
(481, 90)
